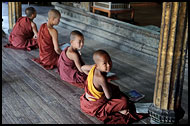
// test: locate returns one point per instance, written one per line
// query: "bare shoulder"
(53, 31)
(99, 79)
(71, 54)
(33, 24)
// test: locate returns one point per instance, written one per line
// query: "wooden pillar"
(166, 107)
(85, 6)
(15, 11)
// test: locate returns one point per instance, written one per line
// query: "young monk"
(49, 50)
(102, 99)
(70, 61)
(24, 33)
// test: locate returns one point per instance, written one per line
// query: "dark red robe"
(69, 72)
(107, 110)
(21, 36)
(47, 56)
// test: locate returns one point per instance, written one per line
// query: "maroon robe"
(107, 110)
(21, 36)
(48, 57)
(69, 72)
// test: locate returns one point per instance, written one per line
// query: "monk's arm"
(105, 86)
(75, 58)
(54, 35)
(86, 68)
(34, 29)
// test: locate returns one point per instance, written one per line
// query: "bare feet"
(124, 112)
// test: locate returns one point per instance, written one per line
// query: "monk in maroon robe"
(104, 100)
(24, 33)
(70, 61)
(69, 72)
(49, 50)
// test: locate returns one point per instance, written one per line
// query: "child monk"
(49, 50)
(70, 61)
(24, 33)
(102, 99)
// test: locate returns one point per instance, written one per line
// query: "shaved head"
(100, 54)
(29, 11)
(53, 13)
(75, 33)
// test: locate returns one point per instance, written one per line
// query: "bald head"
(100, 54)
(29, 11)
(75, 33)
(53, 13)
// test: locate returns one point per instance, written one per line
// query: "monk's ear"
(33, 15)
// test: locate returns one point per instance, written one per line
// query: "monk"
(24, 33)
(70, 61)
(102, 99)
(49, 50)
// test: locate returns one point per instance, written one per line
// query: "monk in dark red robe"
(48, 57)
(103, 99)
(107, 110)
(49, 50)
(24, 33)
(69, 72)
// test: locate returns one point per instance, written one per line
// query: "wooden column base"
(159, 116)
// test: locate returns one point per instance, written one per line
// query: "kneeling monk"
(24, 33)
(70, 61)
(49, 50)
(102, 99)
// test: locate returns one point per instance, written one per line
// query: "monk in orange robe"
(102, 99)
(49, 50)
(70, 61)
(24, 33)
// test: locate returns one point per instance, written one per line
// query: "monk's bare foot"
(124, 112)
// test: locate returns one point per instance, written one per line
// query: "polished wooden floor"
(33, 95)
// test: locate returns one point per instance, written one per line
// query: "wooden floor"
(33, 95)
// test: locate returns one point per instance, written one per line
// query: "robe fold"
(47, 56)
(21, 36)
(69, 72)
(108, 110)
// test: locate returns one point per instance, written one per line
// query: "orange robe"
(47, 56)
(21, 36)
(107, 110)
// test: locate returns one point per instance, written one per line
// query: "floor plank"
(4, 121)
(44, 77)
(8, 114)
(18, 86)
(21, 110)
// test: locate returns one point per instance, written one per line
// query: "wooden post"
(132, 14)
(15, 11)
(85, 5)
(166, 107)
(109, 14)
